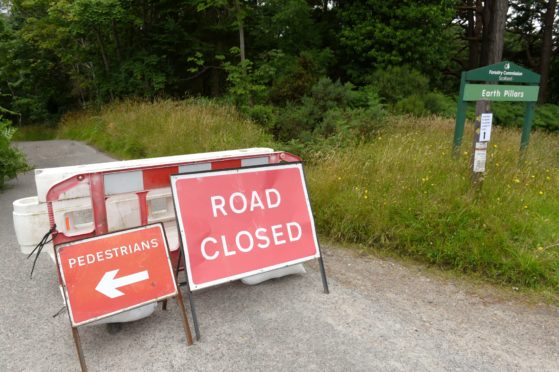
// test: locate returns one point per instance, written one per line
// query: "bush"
(332, 109)
(438, 104)
(263, 115)
(296, 75)
(11, 160)
(507, 114)
(413, 105)
(547, 116)
(432, 103)
(396, 83)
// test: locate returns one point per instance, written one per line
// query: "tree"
(377, 34)
(547, 48)
(494, 19)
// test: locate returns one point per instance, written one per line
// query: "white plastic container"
(31, 223)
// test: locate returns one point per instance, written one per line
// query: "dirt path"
(380, 315)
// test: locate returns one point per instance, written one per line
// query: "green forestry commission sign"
(516, 93)
(503, 81)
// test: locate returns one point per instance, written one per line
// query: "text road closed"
(236, 223)
(110, 273)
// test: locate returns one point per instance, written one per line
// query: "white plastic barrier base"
(128, 316)
(31, 222)
(278, 273)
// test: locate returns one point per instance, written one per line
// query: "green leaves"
(11, 160)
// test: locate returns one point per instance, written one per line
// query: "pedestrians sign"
(108, 274)
(240, 222)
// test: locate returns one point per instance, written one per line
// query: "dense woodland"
(365, 91)
(58, 55)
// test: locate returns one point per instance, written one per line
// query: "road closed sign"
(108, 274)
(240, 222)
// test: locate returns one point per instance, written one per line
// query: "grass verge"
(399, 193)
(135, 129)
(403, 193)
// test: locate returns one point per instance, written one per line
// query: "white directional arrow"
(108, 284)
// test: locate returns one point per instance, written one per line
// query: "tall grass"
(404, 193)
(135, 129)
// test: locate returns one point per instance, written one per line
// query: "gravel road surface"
(379, 316)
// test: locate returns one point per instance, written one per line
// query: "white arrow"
(108, 284)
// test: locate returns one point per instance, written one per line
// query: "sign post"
(518, 85)
(108, 274)
(480, 140)
(240, 222)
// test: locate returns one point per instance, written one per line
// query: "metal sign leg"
(323, 275)
(190, 299)
(193, 312)
(184, 319)
(78, 343)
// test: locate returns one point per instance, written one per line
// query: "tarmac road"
(379, 316)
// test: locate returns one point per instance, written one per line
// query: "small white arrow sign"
(108, 284)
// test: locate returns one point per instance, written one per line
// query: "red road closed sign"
(108, 274)
(240, 222)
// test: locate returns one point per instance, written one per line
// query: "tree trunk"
(474, 31)
(495, 17)
(545, 62)
(241, 30)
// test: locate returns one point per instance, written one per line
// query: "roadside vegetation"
(396, 190)
(135, 129)
(12, 161)
(364, 91)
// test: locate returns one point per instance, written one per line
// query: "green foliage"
(332, 109)
(245, 83)
(431, 103)
(398, 82)
(31, 81)
(384, 34)
(264, 115)
(439, 104)
(286, 25)
(12, 161)
(547, 117)
(295, 75)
